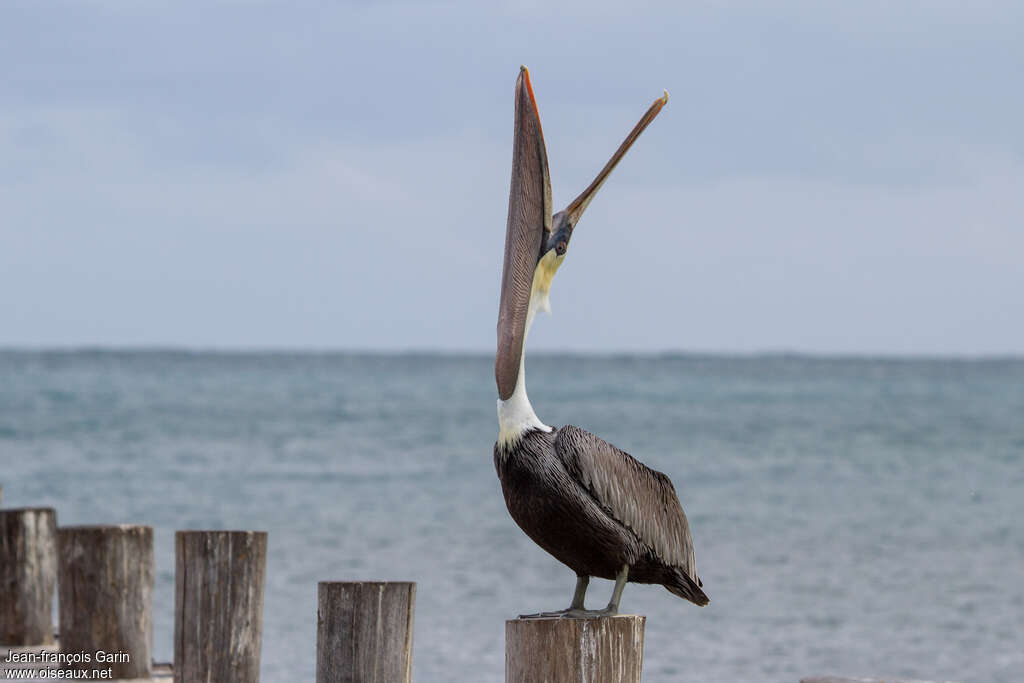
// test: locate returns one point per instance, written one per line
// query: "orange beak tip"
(525, 74)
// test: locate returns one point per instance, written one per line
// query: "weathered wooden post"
(604, 650)
(218, 605)
(28, 573)
(364, 631)
(105, 583)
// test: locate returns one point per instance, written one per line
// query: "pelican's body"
(592, 506)
(556, 484)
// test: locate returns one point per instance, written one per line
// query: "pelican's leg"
(577, 611)
(577, 602)
(620, 583)
(581, 590)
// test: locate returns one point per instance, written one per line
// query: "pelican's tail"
(682, 585)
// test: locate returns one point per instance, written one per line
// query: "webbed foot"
(572, 613)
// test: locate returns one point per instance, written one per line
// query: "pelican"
(592, 506)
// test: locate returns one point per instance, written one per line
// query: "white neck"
(515, 414)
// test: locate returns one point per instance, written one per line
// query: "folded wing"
(638, 497)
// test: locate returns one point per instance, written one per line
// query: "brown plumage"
(596, 508)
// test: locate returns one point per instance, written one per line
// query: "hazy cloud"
(825, 177)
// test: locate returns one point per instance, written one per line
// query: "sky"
(826, 177)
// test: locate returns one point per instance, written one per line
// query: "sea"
(851, 516)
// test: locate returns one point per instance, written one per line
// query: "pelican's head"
(535, 241)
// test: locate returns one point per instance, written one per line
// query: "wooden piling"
(603, 650)
(105, 582)
(218, 605)
(28, 575)
(364, 631)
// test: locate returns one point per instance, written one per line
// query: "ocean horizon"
(327, 350)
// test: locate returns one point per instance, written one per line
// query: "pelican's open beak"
(529, 223)
(567, 219)
(531, 231)
(579, 205)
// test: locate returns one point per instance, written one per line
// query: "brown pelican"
(592, 506)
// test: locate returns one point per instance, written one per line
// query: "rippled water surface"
(851, 516)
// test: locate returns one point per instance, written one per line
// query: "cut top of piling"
(23, 510)
(559, 650)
